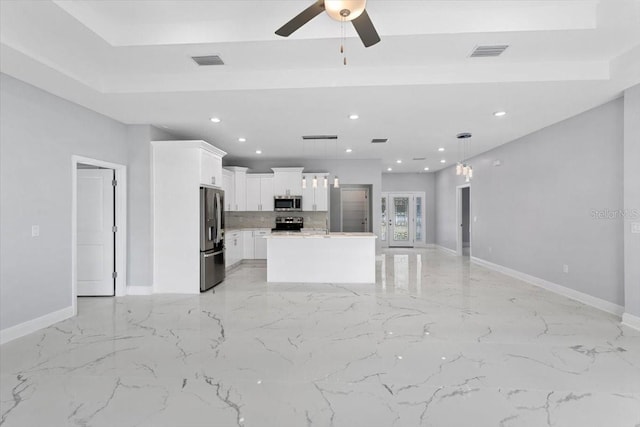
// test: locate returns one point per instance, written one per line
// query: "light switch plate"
(35, 230)
(635, 227)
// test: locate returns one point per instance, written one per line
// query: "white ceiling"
(130, 60)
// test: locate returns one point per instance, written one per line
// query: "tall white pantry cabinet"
(179, 168)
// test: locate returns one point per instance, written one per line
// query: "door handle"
(213, 254)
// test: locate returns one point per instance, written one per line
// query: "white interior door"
(95, 232)
(400, 220)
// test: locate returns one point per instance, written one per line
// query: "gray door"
(355, 209)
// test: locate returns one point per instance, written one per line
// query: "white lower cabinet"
(246, 244)
(234, 248)
(260, 243)
(247, 241)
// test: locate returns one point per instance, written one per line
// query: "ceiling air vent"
(419, 158)
(312, 137)
(208, 60)
(379, 140)
(486, 51)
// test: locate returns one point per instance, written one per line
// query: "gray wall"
(38, 134)
(349, 171)
(416, 182)
(535, 212)
(446, 223)
(632, 199)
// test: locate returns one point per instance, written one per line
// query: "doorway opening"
(98, 254)
(463, 220)
(355, 208)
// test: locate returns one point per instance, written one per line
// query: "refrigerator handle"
(218, 217)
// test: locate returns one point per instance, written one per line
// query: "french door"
(402, 219)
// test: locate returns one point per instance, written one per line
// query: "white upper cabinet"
(228, 185)
(321, 196)
(266, 193)
(253, 193)
(315, 199)
(237, 194)
(287, 181)
(211, 166)
(259, 192)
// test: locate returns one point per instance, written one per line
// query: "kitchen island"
(321, 258)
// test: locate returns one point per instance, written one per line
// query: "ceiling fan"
(340, 10)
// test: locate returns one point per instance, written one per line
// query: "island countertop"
(318, 235)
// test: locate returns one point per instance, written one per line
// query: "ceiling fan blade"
(302, 18)
(365, 29)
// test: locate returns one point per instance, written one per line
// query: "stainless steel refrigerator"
(212, 269)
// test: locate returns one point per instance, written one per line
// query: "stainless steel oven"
(287, 203)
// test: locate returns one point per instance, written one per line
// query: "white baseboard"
(631, 321)
(30, 326)
(451, 251)
(139, 290)
(587, 299)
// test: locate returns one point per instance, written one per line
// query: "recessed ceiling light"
(500, 113)
(215, 119)
(348, 150)
(354, 117)
(441, 149)
(426, 169)
(398, 161)
(389, 169)
(242, 139)
(258, 151)
(443, 161)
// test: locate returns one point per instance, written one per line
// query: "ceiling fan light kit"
(344, 10)
(339, 10)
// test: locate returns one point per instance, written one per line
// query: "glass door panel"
(419, 214)
(383, 217)
(400, 221)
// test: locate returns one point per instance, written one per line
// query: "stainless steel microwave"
(287, 203)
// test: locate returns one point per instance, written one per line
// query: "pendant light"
(304, 182)
(326, 181)
(314, 182)
(462, 167)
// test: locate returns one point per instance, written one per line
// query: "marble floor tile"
(437, 341)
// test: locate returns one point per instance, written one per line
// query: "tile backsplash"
(267, 219)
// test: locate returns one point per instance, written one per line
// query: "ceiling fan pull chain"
(343, 41)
